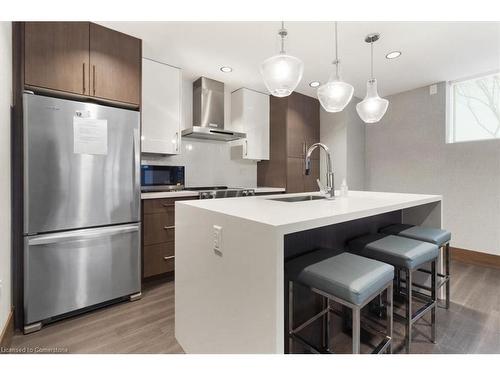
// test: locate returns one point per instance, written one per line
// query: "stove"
(214, 192)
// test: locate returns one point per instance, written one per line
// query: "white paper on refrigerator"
(90, 136)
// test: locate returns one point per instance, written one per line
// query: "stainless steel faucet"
(329, 190)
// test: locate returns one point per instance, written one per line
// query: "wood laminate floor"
(471, 325)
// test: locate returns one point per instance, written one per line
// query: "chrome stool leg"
(389, 319)
(328, 325)
(398, 282)
(447, 273)
(290, 317)
(356, 330)
(434, 298)
(409, 314)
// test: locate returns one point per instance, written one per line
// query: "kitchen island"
(230, 255)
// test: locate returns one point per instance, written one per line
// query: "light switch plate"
(433, 89)
(217, 238)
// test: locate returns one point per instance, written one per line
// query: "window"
(474, 109)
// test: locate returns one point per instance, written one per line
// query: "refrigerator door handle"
(80, 234)
(137, 161)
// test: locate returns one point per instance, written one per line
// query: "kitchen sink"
(301, 198)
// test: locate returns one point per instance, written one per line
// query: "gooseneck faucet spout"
(329, 191)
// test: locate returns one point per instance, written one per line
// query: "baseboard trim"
(475, 257)
(8, 331)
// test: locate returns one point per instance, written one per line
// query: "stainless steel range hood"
(208, 112)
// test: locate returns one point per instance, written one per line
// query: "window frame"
(450, 108)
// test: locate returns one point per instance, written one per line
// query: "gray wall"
(344, 134)
(207, 162)
(5, 197)
(407, 152)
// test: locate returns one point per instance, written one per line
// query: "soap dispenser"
(344, 189)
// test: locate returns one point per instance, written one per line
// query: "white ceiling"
(432, 51)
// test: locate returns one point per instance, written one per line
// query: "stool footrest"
(382, 347)
(419, 313)
(310, 321)
(423, 310)
(308, 345)
(429, 273)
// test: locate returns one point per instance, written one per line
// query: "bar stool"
(408, 255)
(439, 237)
(348, 279)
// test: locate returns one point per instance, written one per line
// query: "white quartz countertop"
(296, 216)
(189, 193)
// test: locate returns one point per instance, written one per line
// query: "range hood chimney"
(208, 112)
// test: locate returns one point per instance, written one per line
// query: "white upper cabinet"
(250, 115)
(161, 108)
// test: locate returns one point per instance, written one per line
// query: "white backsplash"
(209, 163)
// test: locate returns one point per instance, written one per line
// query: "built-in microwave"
(161, 177)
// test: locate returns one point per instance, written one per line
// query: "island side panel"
(230, 302)
(427, 215)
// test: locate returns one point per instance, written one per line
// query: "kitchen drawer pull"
(170, 257)
(84, 78)
(169, 227)
(93, 78)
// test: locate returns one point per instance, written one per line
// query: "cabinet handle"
(93, 78)
(84, 78)
(168, 205)
(246, 147)
(169, 227)
(177, 140)
(170, 257)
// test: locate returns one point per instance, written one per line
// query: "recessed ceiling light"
(314, 83)
(393, 55)
(226, 69)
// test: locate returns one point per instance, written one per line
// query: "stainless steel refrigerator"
(81, 206)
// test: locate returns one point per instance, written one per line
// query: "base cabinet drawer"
(155, 206)
(158, 259)
(158, 228)
(158, 235)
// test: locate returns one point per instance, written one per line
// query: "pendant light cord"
(371, 44)
(336, 62)
(282, 34)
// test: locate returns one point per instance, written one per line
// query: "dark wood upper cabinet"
(115, 60)
(57, 56)
(294, 127)
(302, 125)
(83, 58)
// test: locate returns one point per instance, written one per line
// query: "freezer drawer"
(71, 270)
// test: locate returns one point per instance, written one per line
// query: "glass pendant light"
(282, 73)
(335, 94)
(373, 107)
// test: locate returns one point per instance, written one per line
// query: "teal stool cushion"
(433, 235)
(347, 276)
(395, 250)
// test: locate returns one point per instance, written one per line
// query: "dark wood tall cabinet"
(57, 59)
(294, 127)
